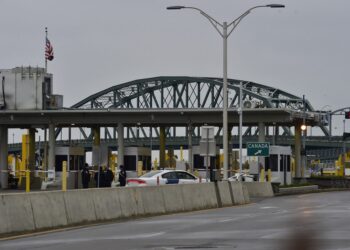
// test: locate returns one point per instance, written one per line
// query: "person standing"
(85, 176)
(122, 176)
(109, 177)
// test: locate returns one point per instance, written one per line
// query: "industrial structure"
(159, 112)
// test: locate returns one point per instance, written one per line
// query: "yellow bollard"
(155, 164)
(181, 153)
(139, 168)
(196, 173)
(27, 181)
(269, 175)
(262, 175)
(64, 176)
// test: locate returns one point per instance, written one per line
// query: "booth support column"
(52, 139)
(31, 149)
(297, 151)
(97, 136)
(120, 144)
(261, 159)
(162, 147)
(190, 153)
(3, 157)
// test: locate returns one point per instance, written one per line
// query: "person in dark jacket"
(109, 177)
(85, 176)
(122, 176)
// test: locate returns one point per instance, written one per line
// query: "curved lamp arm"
(239, 19)
(214, 22)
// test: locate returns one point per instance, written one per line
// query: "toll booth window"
(130, 162)
(288, 163)
(285, 162)
(59, 161)
(74, 163)
(212, 162)
(198, 161)
(282, 162)
(146, 162)
(271, 162)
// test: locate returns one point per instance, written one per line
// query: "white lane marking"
(139, 236)
(76, 240)
(227, 220)
(268, 207)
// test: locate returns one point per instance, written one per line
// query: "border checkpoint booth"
(279, 162)
(75, 158)
(137, 160)
(199, 161)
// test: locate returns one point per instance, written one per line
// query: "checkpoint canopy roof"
(152, 117)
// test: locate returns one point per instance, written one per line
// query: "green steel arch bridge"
(199, 93)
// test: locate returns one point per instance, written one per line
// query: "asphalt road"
(311, 221)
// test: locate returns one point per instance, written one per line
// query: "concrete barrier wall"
(79, 206)
(237, 192)
(48, 209)
(259, 189)
(16, 213)
(128, 203)
(42, 210)
(199, 196)
(225, 193)
(106, 204)
(245, 194)
(297, 190)
(173, 199)
(152, 200)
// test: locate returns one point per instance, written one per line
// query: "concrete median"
(237, 192)
(173, 198)
(245, 194)
(259, 189)
(48, 209)
(152, 200)
(51, 209)
(128, 203)
(16, 213)
(79, 206)
(225, 193)
(199, 196)
(106, 203)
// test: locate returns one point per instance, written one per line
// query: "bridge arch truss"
(178, 92)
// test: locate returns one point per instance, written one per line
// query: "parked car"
(242, 177)
(162, 177)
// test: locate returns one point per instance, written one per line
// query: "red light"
(136, 181)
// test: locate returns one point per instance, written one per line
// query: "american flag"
(48, 50)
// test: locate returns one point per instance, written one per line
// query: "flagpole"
(45, 49)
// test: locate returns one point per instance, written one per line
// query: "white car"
(242, 177)
(162, 177)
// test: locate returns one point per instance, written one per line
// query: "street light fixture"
(303, 127)
(224, 33)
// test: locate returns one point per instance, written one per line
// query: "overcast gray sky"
(302, 49)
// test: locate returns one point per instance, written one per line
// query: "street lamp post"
(224, 33)
(303, 129)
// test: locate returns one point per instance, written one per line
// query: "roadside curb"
(313, 191)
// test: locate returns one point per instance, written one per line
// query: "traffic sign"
(258, 148)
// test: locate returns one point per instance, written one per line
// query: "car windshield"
(151, 174)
